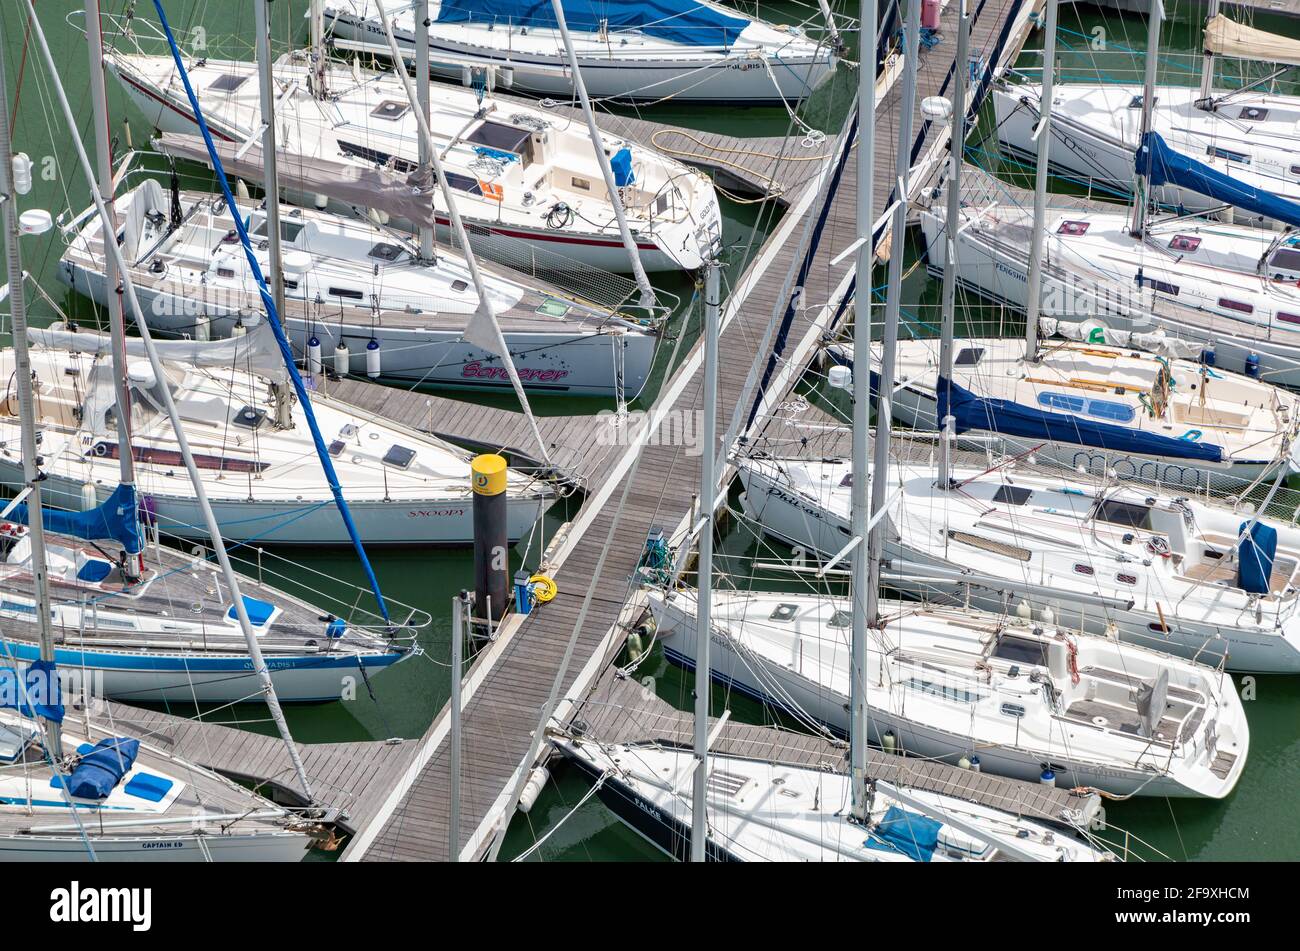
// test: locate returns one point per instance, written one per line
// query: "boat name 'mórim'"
(75, 904)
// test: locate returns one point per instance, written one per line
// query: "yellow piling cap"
(489, 474)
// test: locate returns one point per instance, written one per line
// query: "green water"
(1254, 823)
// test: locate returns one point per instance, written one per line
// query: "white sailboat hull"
(563, 362)
(263, 847)
(708, 75)
(797, 520)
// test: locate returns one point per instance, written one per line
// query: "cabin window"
(463, 183)
(661, 205)
(225, 272)
(1086, 570)
(1295, 169)
(1215, 152)
(399, 457)
(1164, 287)
(1126, 579)
(1228, 303)
(1063, 401)
(347, 292)
(458, 285)
(390, 109)
(1184, 242)
(1115, 412)
(784, 612)
(1012, 495)
(383, 251)
(847, 481)
(249, 417)
(1012, 710)
(289, 230)
(1288, 318)
(1253, 113)
(378, 157)
(581, 184)
(227, 82)
(1021, 650)
(1128, 514)
(1073, 228)
(969, 357)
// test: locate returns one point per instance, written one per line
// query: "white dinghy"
(684, 50)
(1018, 697)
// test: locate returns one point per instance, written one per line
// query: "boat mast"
(615, 199)
(271, 187)
(116, 320)
(956, 158)
(1141, 190)
(1034, 287)
(169, 407)
(458, 226)
(317, 75)
(893, 306)
(704, 584)
(1206, 100)
(32, 477)
(859, 574)
(423, 81)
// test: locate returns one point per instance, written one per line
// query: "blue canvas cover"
(910, 833)
(1255, 554)
(103, 768)
(1163, 166)
(114, 520)
(1015, 419)
(621, 166)
(679, 21)
(43, 692)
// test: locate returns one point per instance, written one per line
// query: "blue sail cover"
(679, 21)
(910, 833)
(1163, 166)
(101, 769)
(114, 520)
(1014, 419)
(39, 695)
(1255, 554)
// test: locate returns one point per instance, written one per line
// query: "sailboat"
(745, 809)
(1247, 132)
(1101, 407)
(522, 176)
(684, 50)
(120, 799)
(1018, 695)
(363, 294)
(405, 487)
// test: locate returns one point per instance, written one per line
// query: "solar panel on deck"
(399, 456)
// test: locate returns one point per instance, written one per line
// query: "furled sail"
(255, 352)
(352, 184)
(1229, 38)
(1164, 166)
(1094, 331)
(678, 21)
(1010, 418)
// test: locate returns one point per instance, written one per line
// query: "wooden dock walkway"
(646, 486)
(620, 710)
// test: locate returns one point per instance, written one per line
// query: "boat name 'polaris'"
(76, 904)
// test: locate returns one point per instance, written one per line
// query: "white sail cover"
(1094, 331)
(255, 352)
(1229, 38)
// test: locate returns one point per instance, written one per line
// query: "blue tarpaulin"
(1255, 554)
(910, 833)
(1163, 166)
(42, 696)
(103, 768)
(114, 520)
(679, 21)
(1014, 419)
(621, 166)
